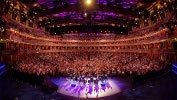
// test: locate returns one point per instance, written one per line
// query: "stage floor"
(105, 88)
(156, 88)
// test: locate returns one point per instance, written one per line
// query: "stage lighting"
(85, 14)
(73, 85)
(88, 2)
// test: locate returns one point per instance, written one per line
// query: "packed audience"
(90, 64)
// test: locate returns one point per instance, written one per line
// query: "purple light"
(50, 4)
(126, 6)
(88, 90)
(73, 84)
(128, 3)
(2, 68)
(174, 67)
(77, 15)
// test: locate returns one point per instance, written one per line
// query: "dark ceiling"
(122, 12)
(123, 7)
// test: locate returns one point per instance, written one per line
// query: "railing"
(160, 46)
(107, 39)
(40, 33)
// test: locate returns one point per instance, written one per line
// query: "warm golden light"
(88, 2)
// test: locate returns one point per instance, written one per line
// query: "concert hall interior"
(88, 49)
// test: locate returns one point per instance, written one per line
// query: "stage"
(104, 88)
